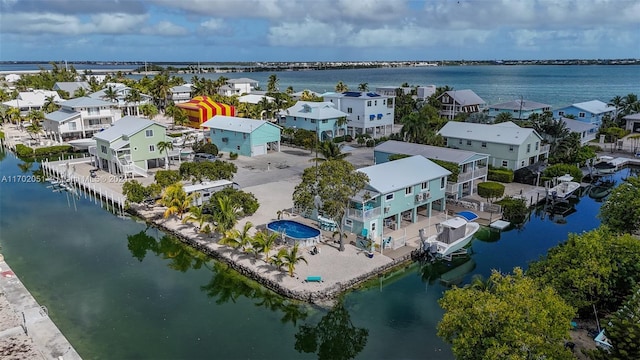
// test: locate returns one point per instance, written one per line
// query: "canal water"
(119, 289)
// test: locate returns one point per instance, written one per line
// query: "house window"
(103, 149)
(375, 102)
(581, 114)
(295, 118)
(358, 117)
(389, 197)
(324, 121)
(348, 222)
(148, 133)
(73, 126)
(505, 163)
(483, 144)
(511, 148)
(460, 141)
(369, 103)
(522, 163)
(238, 147)
(152, 148)
(244, 136)
(313, 121)
(537, 145)
(424, 185)
(349, 110)
(443, 182)
(528, 148)
(561, 113)
(408, 190)
(384, 102)
(469, 142)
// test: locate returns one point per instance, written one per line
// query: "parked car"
(198, 157)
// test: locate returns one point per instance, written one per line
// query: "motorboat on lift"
(564, 187)
(452, 235)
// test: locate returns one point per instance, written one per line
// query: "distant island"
(265, 66)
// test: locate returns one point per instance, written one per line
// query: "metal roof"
(496, 133)
(128, 125)
(254, 99)
(181, 88)
(635, 116)
(577, 125)
(357, 95)
(594, 107)
(525, 105)
(241, 81)
(314, 110)
(399, 174)
(85, 101)
(237, 124)
(61, 115)
(207, 185)
(464, 97)
(430, 152)
(71, 86)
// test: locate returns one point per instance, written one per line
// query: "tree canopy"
(508, 317)
(621, 211)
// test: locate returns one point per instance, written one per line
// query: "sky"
(317, 30)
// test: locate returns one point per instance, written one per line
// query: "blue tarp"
(470, 216)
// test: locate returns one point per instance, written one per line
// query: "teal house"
(129, 147)
(323, 118)
(399, 193)
(246, 137)
(518, 109)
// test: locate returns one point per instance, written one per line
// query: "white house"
(238, 87)
(32, 100)
(632, 122)
(121, 100)
(586, 131)
(254, 99)
(320, 117)
(80, 118)
(70, 87)
(11, 78)
(367, 112)
(180, 94)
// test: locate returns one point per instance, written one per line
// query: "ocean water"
(121, 290)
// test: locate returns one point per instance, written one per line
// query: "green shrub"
(453, 167)
(371, 143)
(338, 139)
(205, 147)
(165, 178)
(490, 190)
(24, 151)
(560, 170)
(348, 138)
(233, 155)
(53, 150)
(500, 175)
(514, 210)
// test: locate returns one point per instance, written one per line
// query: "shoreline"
(26, 330)
(276, 280)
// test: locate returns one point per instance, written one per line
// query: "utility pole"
(520, 113)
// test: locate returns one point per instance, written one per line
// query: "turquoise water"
(121, 290)
(293, 229)
(557, 86)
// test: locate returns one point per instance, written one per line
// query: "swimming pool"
(295, 232)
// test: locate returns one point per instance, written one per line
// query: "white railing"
(468, 175)
(366, 215)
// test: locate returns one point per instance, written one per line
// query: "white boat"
(82, 144)
(564, 186)
(452, 234)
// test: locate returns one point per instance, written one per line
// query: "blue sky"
(317, 30)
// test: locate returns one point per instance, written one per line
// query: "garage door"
(259, 150)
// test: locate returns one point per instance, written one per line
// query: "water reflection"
(225, 284)
(334, 337)
(449, 273)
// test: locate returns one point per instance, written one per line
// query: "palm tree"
(110, 94)
(414, 128)
(330, 151)
(272, 85)
(265, 242)
(80, 92)
(226, 214)
(289, 90)
(196, 215)
(503, 117)
(165, 146)
(134, 97)
(340, 123)
(363, 87)
(238, 239)
(617, 102)
(176, 200)
(341, 87)
(34, 129)
(50, 105)
(149, 111)
(4, 114)
(265, 106)
(291, 258)
(14, 115)
(180, 117)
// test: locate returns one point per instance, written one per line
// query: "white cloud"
(49, 23)
(213, 24)
(165, 28)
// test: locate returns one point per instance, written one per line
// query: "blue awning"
(470, 216)
(371, 117)
(379, 116)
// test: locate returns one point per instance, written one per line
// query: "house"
(367, 112)
(519, 109)
(201, 108)
(508, 145)
(592, 111)
(129, 147)
(472, 166)
(11, 78)
(80, 118)
(120, 94)
(32, 100)
(70, 87)
(425, 92)
(180, 94)
(393, 90)
(455, 102)
(320, 117)
(254, 98)
(205, 189)
(389, 199)
(586, 131)
(247, 137)
(238, 87)
(632, 122)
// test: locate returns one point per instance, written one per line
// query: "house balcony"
(469, 175)
(97, 126)
(544, 149)
(363, 215)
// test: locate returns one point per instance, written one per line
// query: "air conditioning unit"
(224, 139)
(426, 195)
(387, 209)
(418, 197)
